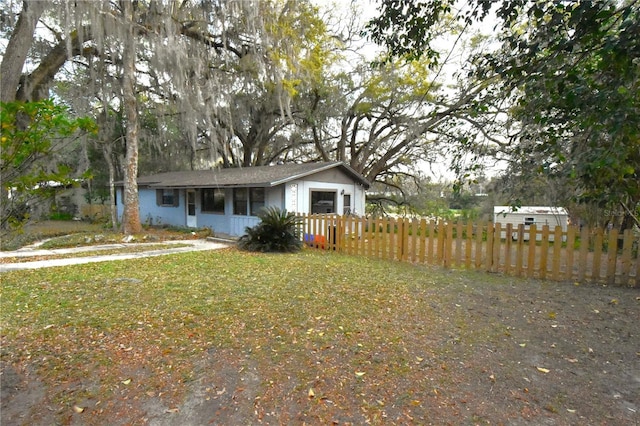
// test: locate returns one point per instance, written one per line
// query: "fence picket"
(544, 252)
(519, 250)
(597, 255)
(507, 248)
(569, 249)
(531, 254)
(557, 248)
(612, 251)
(479, 238)
(627, 244)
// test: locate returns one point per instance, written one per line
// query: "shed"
(228, 200)
(531, 215)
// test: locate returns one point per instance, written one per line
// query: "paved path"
(191, 245)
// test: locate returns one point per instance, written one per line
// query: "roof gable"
(260, 176)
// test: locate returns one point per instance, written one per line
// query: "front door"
(192, 221)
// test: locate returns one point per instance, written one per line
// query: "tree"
(33, 134)
(568, 72)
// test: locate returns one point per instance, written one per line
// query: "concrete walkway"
(188, 246)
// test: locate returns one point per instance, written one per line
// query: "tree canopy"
(568, 73)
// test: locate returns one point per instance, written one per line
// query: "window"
(346, 204)
(167, 197)
(323, 202)
(529, 221)
(213, 200)
(240, 199)
(256, 199)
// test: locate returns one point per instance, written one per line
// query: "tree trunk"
(131, 217)
(18, 47)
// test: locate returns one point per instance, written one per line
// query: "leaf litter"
(314, 338)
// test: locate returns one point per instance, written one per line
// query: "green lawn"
(326, 338)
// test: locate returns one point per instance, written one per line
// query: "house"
(531, 215)
(228, 200)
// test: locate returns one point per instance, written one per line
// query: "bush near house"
(276, 232)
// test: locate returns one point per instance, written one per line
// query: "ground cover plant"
(231, 337)
(52, 234)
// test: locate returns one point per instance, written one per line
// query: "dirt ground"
(567, 355)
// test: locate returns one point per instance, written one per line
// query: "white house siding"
(305, 187)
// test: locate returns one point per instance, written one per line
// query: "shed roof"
(529, 210)
(259, 176)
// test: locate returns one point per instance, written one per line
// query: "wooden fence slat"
(458, 253)
(531, 254)
(519, 250)
(413, 240)
(557, 251)
(507, 248)
(612, 252)
(627, 246)
(468, 243)
(597, 255)
(490, 248)
(404, 241)
(431, 241)
(544, 252)
(447, 239)
(479, 238)
(497, 239)
(585, 242)
(423, 240)
(569, 251)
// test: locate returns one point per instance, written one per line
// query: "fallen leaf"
(522, 345)
(570, 410)
(543, 370)
(360, 373)
(78, 409)
(126, 382)
(613, 302)
(571, 359)
(311, 393)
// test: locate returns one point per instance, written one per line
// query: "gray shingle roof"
(261, 176)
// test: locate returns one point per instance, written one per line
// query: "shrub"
(276, 232)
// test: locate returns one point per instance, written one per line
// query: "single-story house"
(531, 215)
(228, 200)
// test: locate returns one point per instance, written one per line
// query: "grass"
(78, 320)
(327, 335)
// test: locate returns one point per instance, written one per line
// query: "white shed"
(530, 215)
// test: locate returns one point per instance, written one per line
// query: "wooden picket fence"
(578, 255)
